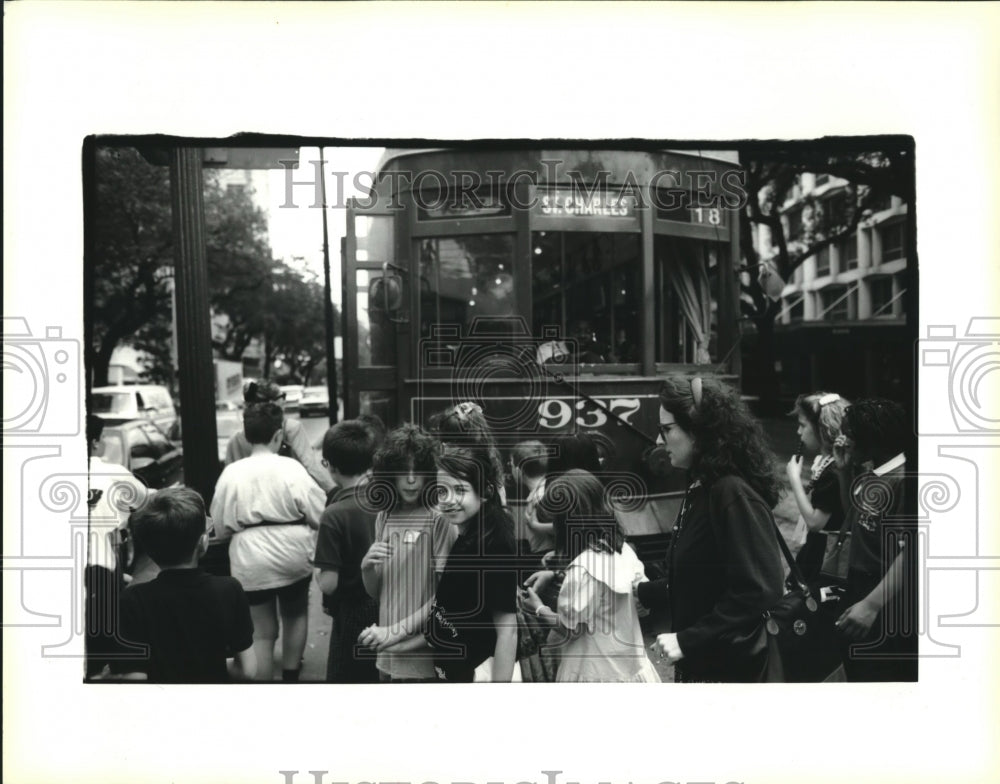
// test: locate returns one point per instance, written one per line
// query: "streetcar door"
(375, 315)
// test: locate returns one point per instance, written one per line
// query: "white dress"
(254, 494)
(604, 643)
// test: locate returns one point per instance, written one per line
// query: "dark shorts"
(286, 594)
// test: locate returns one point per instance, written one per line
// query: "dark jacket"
(725, 569)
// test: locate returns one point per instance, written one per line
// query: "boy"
(109, 486)
(270, 506)
(411, 544)
(346, 531)
(192, 621)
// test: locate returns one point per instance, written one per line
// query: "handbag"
(803, 644)
(837, 555)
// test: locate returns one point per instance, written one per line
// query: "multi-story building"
(843, 319)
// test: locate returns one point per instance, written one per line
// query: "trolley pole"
(331, 360)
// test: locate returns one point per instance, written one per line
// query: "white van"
(135, 401)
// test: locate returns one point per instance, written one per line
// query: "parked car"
(227, 424)
(135, 401)
(144, 449)
(293, 396)
(315, 400)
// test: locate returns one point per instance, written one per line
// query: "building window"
(893, 242)
(881, 295)
(881, 203)
(796, 307)
(794, 220)
(849, 253)
(835, 303)
(823, 261)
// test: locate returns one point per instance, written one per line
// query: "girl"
(464, 424)
(410, 544)
(725, 568)
(819, 501)
(600, 637)
(473, 616)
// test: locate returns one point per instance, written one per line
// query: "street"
(318, 638)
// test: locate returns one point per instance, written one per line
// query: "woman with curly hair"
(725, 567)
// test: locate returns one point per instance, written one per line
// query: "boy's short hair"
(95, 427)
(261, 421)
(170, 524)
(531, 458)
(349, 446)
(377, 426)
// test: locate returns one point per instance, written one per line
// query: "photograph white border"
(672, 71)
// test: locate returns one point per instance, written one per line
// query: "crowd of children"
(415, 553)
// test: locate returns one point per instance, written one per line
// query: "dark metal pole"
(331, 360)
(194, 334)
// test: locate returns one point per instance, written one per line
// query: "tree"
(812, 224)
(132, 247)
(241, 271)
(294, 330)
(132, 261)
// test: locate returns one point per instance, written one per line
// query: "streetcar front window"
(462, 279)
(589, 285)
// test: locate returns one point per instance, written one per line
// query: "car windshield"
(111, 402)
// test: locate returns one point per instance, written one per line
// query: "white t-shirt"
(112, 493)
(257, 501)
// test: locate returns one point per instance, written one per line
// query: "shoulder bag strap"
(792, 566)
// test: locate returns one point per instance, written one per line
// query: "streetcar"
(554, 288)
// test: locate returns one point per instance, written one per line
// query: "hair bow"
(463, 410)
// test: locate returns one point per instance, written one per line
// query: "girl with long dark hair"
(473, 615)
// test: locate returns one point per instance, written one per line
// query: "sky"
(296, 233)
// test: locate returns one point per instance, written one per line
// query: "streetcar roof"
(392, 154)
